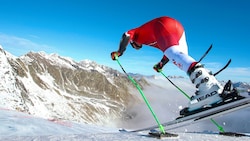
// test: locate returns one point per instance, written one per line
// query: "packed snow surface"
(16, 126)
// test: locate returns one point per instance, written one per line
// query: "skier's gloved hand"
(158, 67)
(114, 54)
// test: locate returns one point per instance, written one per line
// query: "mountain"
(242, 86)
(58, 88)
(55, 87)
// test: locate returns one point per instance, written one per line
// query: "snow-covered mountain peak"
(51, 86)
(92, 65)
(53, 59)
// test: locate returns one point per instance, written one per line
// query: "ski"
(233, 134)
(201, 116)
(160, 135)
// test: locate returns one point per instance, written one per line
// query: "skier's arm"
(158, 67)
(164, 60)
(122, 47)
(123, 43)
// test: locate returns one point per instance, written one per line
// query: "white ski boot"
(209, 89)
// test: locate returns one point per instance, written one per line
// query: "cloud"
(242, 71)
(237, 73)
(213, 65)
(19, 46)
(230, 73)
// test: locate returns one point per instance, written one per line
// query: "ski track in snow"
(16, 126)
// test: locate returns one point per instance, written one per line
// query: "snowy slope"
(16, 126)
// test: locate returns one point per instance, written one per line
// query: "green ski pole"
(220, 128)
(143, 96)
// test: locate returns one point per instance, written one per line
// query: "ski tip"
(232, 134)
(123, 130)
(161, 135)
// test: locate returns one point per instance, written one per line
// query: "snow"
(16, 126)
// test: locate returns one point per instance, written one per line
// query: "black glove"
(158, 67)
(114, 54)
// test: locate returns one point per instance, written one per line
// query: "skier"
(168, 35)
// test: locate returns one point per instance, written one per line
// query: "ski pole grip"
(116, 56)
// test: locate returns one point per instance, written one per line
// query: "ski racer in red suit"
(168, 35)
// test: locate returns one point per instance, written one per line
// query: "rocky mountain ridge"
(51, 86)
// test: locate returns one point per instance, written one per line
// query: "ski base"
(232, 134)
(160, 135)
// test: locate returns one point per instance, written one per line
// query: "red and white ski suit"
(166, 34)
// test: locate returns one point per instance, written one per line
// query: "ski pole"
(143, 96)
(176, 86)
(220, 128)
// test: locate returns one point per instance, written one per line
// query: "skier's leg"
(208, 87)
(178, 54)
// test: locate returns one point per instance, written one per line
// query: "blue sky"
(91, 29)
